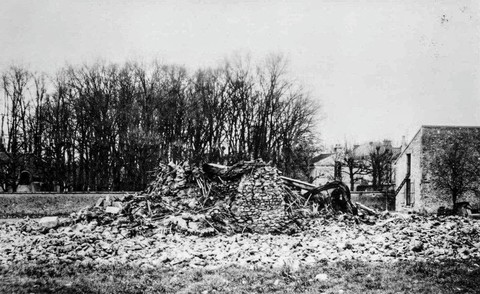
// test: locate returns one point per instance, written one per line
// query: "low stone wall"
(18, 205)
(375, 200)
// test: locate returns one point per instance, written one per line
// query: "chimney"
(404, 144)
(337, 148)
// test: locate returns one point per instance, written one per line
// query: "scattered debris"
(369, 210)
(405, 237)
(249, 197)
(321, 277)
(416, 245)
(460, 208)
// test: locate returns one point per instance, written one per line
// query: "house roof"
(364, 150)
(432, 127)
(408, 145)
(449, 127)
(321, 157)
(396, 152)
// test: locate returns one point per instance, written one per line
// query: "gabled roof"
(396, 153)
(408, 145)
(321, 157)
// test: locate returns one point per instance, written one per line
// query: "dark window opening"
(408, 186)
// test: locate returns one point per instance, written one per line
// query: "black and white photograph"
(242, 146)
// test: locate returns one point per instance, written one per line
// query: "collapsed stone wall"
(259, 203)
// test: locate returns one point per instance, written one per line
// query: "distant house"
(329, 166)
(363, 153)
(413, 175)
(323, 168)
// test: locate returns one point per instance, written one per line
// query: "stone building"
(412, 171)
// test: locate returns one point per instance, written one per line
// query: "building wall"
(432, 197)
(424, 196)
(415, 149)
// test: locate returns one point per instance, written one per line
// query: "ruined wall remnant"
(259, 204)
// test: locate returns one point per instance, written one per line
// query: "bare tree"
(380, 161)
(355, 167)
(15, 83)
(105, 126)
(454, 167)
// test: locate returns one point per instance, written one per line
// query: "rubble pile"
(246, 197)
(399, 237)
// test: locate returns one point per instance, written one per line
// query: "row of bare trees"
(105, 126)
(376, 165)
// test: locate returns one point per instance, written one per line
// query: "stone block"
(113, 209)
(48, 222)
(99, 202)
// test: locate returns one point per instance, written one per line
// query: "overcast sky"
(379, 68)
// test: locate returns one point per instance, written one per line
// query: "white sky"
(380, 68)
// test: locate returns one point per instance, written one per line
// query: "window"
(409, 192)
(409, 163)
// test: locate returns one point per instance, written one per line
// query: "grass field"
(343, 277)
(36, 205)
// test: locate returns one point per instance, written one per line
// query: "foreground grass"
(342, 277)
